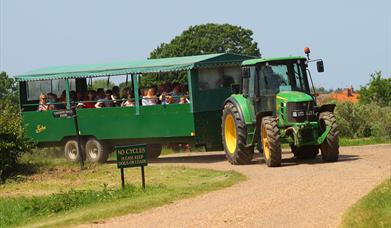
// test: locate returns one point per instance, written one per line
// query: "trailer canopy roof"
(134, 67)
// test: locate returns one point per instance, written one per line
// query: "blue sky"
(352, 37)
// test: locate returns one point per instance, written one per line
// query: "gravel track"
(298, 194)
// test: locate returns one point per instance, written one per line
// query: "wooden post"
(122, 178)
(143, 176)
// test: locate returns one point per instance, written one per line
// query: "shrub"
(12, 141)
(363, 120)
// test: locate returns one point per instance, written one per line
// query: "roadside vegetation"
(56, 193)
(368, 121)
(374, 210)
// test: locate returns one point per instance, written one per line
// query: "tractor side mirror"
(320, 66)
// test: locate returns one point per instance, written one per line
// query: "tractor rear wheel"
(234, 134)
(305, 152)
(271, 144)
(330, 146)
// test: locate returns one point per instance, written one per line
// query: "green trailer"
(237, 103)
(211, 79)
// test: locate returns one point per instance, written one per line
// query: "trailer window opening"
(56, 86)
(215, 78)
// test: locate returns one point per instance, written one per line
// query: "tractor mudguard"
(325, 107)
(247, 114)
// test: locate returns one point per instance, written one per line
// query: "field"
(59, 194)
(374, 210)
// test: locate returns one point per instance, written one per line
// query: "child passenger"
(150, 98)
(129, 102)
(90, 97)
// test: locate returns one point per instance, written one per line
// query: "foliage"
(209, 38)
(201, 39)
(374, 210)
(151, 80)
(8, 88)
(378, 90)
(12, 140)
(101, 83)
(363, 120)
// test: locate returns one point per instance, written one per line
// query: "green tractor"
(276, 106)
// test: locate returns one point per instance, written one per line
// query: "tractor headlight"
(297, 113)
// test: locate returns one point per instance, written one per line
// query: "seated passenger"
(183, 100)
(129, 102)
(126, 92)
(164, 98)
(115, 96)
(106, 101)
(43, 106)
(100, 93)
(150, 98)
(176, 93)
(90, 100)
(51, 100)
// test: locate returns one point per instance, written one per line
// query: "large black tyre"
(271, 144)
(154, 150)
(330, 146)
(97, 151)
(234, 135)
(71, 150)
(305, 152)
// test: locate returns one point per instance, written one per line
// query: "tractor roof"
(261, 60)
(134, 67)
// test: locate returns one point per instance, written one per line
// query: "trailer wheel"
(305, 152)
(271, 141)
(96, 151)
(234, 136)
(330, 146)
(71, 150)
(154, 150)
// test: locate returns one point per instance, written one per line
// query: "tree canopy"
(378, 90)
(209, 38)
(202, 39)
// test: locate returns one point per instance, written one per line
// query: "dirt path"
(304, 194)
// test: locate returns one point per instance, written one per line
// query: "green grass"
(374, 210)
(362, 141)
(59, 194)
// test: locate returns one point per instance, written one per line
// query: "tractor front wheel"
(330, 146)
(234, 134)
(270, 139)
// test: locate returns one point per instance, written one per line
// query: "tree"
(8, 89)
(202, 39)
(378, 90)
(209, 38)
(12, 140)
(102, 83)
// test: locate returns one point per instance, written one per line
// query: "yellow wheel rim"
(230, 133)
(265, 144)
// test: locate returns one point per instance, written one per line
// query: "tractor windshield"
(287, 75)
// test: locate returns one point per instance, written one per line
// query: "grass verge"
(362, 141)
(374, 210)
(60, 195)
